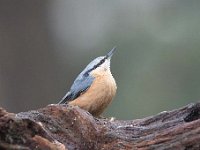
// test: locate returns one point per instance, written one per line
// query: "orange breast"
(99, 95)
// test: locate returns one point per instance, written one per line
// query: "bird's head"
(100, 64)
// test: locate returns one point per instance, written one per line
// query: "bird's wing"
(66, 98)
(80, 85)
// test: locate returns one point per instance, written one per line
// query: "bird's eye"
(102, 61)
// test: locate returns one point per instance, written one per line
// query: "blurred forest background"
(45, 44)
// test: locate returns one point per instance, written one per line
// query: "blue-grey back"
(82, 82)
(84, 79)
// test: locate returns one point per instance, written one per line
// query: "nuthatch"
(94, 88)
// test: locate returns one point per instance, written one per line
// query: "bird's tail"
(66, 98)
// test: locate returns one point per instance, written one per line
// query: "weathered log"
(67, 127)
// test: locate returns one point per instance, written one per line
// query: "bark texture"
(67, 127)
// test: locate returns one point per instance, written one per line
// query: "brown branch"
(68, 127)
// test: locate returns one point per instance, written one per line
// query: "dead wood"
(66, 127)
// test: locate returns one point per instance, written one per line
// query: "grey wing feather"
(66, 98)
(80, 85)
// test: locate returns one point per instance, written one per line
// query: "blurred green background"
(45, 44)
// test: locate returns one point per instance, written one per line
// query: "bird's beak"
(109, 55)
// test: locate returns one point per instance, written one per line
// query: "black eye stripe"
(95, 66)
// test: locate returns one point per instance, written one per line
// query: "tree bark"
(67, 127)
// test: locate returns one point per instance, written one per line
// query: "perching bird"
(94, 88)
